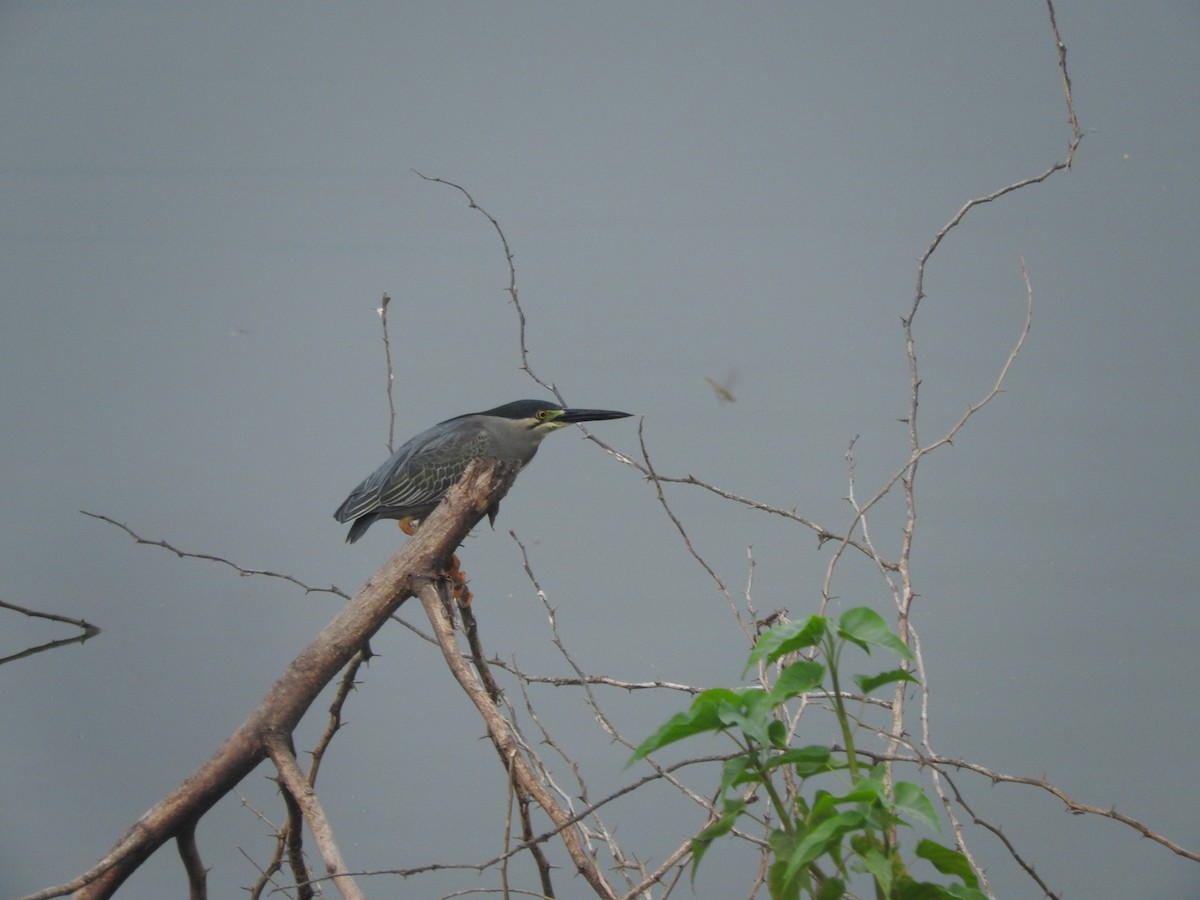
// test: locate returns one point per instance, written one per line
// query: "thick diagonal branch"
(417, 563)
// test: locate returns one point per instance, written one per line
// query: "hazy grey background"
(200, 206)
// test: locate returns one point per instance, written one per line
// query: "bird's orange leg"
(454, 573)
(458, 582)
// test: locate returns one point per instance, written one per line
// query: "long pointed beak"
(590, 415)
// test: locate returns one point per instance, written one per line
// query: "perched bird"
(416, 478)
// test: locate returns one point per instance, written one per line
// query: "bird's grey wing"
(420, 472)
(365, 498)
(422, 478)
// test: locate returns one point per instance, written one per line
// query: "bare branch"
(208, 557)
(291, 844)
(907, 474)
(266, 874)
(193, 865)
(1008, 845)
(1075, 807)
(1072, 118)
(292, 780)
(574, 819)
(391, 375)
(88, 631)
(687, 541)
(503, 737)
(512, 280)
(289, 837)
(563, 681)
(516, 790)
(345, 686)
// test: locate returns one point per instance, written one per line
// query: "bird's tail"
(359, 528)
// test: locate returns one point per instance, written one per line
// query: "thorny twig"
(602, 718)
(289, 838)
(504, 738)
(293, 781)
(87, 629)
(512, 280)
(382, 309)
(747, 629)
(574, 819)
(208, 557)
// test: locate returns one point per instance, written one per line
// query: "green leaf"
(783, 844)
(831, 889)
(716, 697)
(724, 824)
(824, 806)
(777, 732)
(907, 889)
(866, 790)
(808, 761)
(775, 884)
(731, 809)
(749, 710)
(948, 862)
(781, 640)
(868, 683)
(825, 838)
(704, 715)
(865, 626)
(959, 892)
(912, 802)
(798, 678)
(880, 867)
(734, 773)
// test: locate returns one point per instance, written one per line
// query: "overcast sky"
(201, 205)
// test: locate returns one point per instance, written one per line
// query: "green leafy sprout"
(818, 839)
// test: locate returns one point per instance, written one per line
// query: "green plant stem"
(831, 658)
(785, 820)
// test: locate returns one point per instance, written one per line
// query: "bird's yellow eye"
(543, 414)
